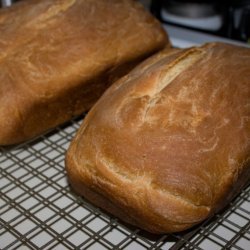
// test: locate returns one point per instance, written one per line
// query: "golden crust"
(58, 56)
(168, 145)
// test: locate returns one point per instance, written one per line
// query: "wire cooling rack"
(39, 211)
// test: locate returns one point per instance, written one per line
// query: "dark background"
(235, 15)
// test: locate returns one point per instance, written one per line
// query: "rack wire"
(38, 210)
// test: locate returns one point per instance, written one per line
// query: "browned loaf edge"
(168, 145)
(58, 56)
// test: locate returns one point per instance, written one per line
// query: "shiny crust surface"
(168, 145)
(58, 56)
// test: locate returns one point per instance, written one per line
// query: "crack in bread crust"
(108, 171)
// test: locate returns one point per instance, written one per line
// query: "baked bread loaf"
(168, 145)
(58, 56)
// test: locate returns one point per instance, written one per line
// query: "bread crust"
(58, 56)
(168, 145)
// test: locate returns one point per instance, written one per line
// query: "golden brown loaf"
(58, 56)
(168, 145)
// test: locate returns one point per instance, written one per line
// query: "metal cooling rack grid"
(39, 211)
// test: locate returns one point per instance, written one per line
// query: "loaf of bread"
(168, 145)
(58, 56)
